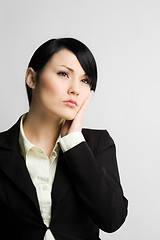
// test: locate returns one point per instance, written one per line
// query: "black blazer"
(86, 193)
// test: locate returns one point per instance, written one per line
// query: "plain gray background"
(124, 37)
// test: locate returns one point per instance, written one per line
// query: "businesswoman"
(59, 181)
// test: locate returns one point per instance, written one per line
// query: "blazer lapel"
(13, 164)
(61, 181)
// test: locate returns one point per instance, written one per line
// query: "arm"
(96, 180)
(95, 176)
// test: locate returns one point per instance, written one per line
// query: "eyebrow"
(70, 69)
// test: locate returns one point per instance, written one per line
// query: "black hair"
(43, 54)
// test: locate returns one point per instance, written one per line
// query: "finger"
(86, 102)
(65, 127)
(78, 121)
(80, 114)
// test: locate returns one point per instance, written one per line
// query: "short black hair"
(43, 54)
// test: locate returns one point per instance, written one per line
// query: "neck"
(42, 129)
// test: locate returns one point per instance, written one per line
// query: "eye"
(63, 74)
(87, 81)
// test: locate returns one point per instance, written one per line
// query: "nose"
(74, 88)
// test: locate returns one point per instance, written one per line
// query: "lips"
(71, 103)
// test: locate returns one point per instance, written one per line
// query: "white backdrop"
(124, 37)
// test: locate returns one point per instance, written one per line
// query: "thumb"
(65, 127)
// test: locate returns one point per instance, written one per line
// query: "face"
(62, 79)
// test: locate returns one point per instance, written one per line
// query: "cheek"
(47, 86)
(51, 87)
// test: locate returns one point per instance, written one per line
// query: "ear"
(31, 78)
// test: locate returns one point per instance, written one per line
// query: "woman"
(57, 179)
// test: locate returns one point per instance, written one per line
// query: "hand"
(77, 123)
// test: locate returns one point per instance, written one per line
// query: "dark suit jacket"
(86, 193)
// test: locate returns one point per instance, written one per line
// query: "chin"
(69, 116)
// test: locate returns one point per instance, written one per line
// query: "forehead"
(67, 58)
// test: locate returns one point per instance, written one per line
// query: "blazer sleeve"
(96, 179)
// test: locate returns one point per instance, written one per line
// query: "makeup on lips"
(70, 103)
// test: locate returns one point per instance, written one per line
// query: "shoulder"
(10, 136)
(96, 133)
(97, 138)
(11, 129)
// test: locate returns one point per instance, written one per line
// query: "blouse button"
(44, 187)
